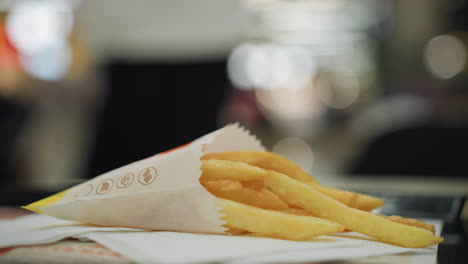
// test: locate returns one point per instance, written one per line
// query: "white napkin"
(173, 247)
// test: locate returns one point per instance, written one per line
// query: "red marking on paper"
(65, 248)
(4, 251)
(115, 254)
(174, 149)
(86, 251)
(68, 249)
(8, 213)
(102, 251)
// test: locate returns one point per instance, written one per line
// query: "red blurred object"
(9, 55)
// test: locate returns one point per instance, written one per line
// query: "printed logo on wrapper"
(147, 176)
(104, 186)
(85, 190)
(125, 180)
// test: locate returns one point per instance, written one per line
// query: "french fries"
(230, 170)
(296, 211)
(265, 160)
(352, 199)
(262, 198)
(411, 222)
(274, 223)
(304, 196)
(235, 231)
(264, 193)
(255, 185)
(253, 177)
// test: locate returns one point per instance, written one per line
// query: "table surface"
(75, 251)
(435, 186)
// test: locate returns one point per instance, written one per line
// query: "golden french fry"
(235, 231)
(263, 198)
(255, 185)
(272, 200)
(273, 223)
(265, 160)
(302, 195)
(352, 199)
(411, 222)
(221, 185)
(296, 211)
(230, 170)
(367, 202)
(345, 197)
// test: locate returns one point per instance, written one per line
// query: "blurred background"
(368, 95)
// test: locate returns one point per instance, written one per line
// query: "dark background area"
(163, 109)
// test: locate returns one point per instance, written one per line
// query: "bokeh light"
(270, 66)
(10, 70)
(35, 25)
(445, 56)
(289, 104)
(40, 30)
(338, 89)
(297, 150)
(49, 64)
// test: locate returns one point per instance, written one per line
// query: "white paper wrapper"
(161, 192)
(143, 246)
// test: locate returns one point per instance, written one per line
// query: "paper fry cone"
(161, 192)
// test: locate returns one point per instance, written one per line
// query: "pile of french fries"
(266, 194)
